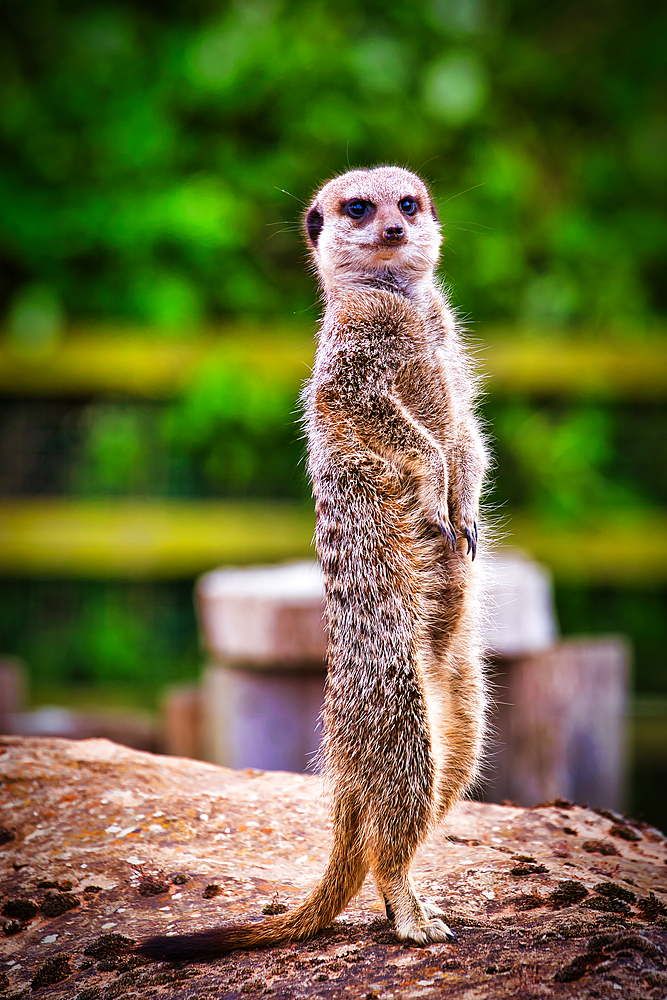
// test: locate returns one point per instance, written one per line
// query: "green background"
(147, 147)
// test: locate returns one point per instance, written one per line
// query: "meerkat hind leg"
(430, 910)
(433, 912)
(413, 920)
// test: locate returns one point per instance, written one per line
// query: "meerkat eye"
(408, 206)
(356, 209)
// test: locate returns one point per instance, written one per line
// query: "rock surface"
(100, 844)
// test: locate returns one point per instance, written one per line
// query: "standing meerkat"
(397, 462)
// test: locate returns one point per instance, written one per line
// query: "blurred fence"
(136, 364)
(166, 539)
(255, 374)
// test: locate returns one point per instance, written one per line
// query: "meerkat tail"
(341, 881)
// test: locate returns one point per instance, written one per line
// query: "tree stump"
(558, 730)
(101, 846)
(264, 631)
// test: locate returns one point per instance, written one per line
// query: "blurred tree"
(139, 635)
(145, 147)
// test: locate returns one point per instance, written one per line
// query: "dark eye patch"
(357, 208)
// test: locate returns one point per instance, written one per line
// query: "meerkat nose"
(395, 233)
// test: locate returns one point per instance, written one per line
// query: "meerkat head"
(377, 224)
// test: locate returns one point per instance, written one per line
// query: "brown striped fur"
(397, 462)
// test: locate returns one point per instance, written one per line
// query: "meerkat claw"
(448, 533)
(437, 930)
(437, 916)
(471, 538)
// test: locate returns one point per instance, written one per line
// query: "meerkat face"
(374, 224)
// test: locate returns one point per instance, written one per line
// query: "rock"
(103, 824)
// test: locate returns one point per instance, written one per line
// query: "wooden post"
(264, 632)
(266, 719)
(263, 687)
(560, 724)
(12, 691)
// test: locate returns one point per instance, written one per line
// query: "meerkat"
(396, 461)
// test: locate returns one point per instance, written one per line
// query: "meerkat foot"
(436, 918)
(422, 922)
(432, 931)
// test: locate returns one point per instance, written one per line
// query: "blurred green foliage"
(145, 147)
(101, 633)
(117, 453)
(236, 433)
(574, 463)
(638, 614)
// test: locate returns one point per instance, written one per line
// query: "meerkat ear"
(314, 223)
(433, 211)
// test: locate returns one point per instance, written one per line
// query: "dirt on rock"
(111, 846)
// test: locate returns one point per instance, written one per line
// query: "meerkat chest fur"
(379, 392)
